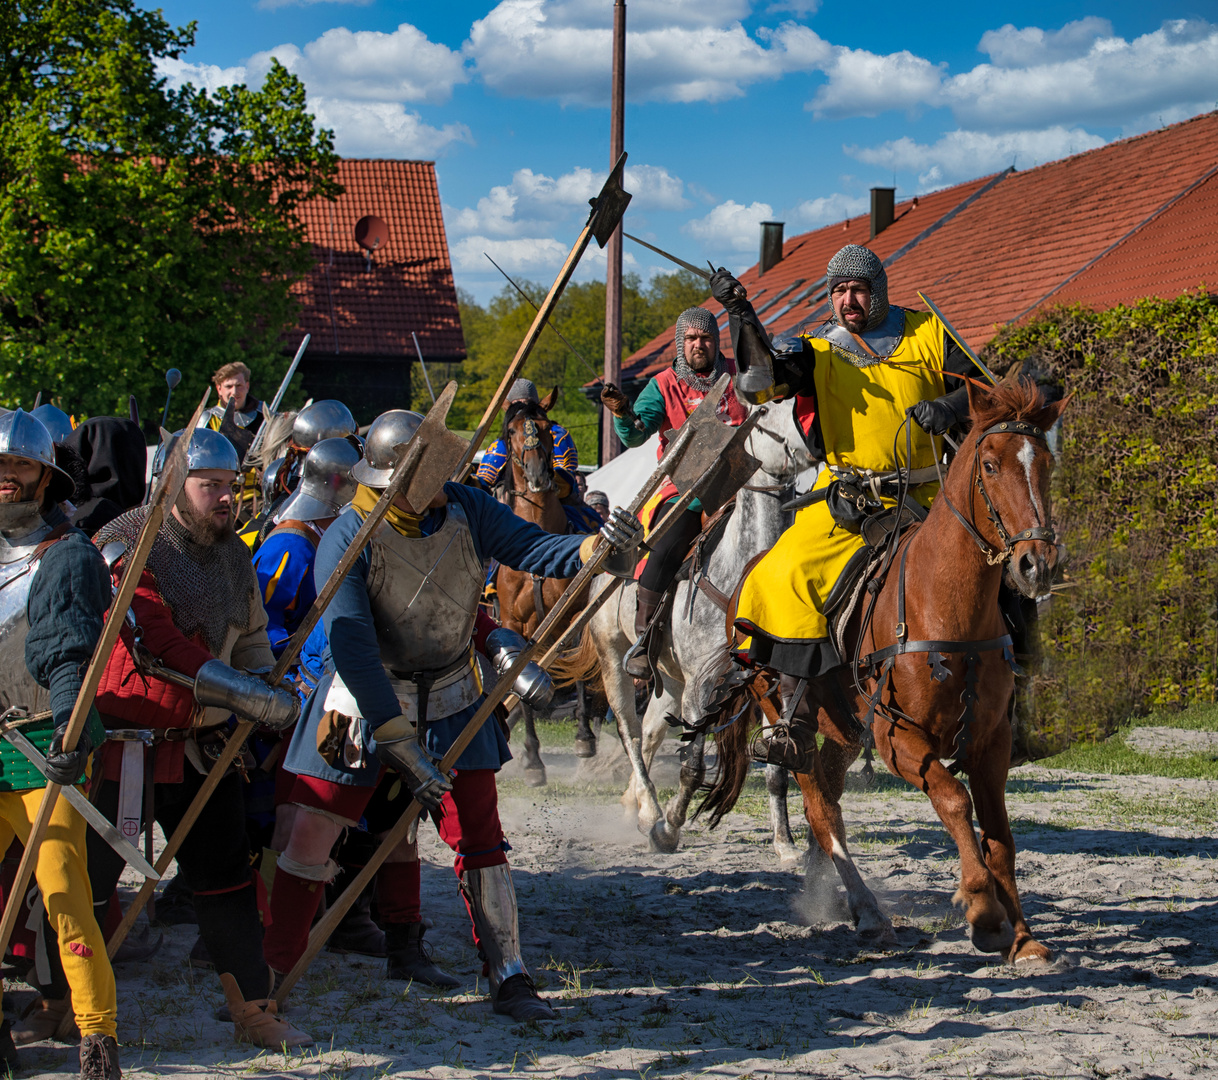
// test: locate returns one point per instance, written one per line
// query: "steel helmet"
(326, 484)
(269, 475)
(24, 436)
(56, 421)
(388, 432)
(208, 450)
(328, 419)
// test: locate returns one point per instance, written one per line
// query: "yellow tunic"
(860, 410)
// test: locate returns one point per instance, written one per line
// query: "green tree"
(142, 228)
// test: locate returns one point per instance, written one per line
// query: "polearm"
(607, 210)
(964, 346)
(558, 614)
(173, 476)
(407, 466)
(423, 365)
(283, 388)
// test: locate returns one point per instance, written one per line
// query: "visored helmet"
(55, 420)
(326, 483)
(327, 419)
(388, 432)
(24, 436)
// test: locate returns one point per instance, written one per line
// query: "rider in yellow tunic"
(868, 367)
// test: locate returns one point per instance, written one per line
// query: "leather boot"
(99, 1058)
(41, 1020)
(648, 604)
(792, 743)
(357, 933)
(492, 903)
(410, 959)
(258, 1022)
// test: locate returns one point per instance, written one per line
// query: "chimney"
(883, 209)
(771, 245)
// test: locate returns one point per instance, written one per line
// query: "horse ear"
(978, 396)
(550, 400)
(1051, 413)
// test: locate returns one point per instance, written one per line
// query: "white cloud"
(272, 5)
(1009, 47)
(523, 255)
(680, 51)
(384, 129)
(209, 77)
(801, 8)
(371, 66)
(965, 154)
(828, 208)
(863, 83)
(655, 188)
(731, 226)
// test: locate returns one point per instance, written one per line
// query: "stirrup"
(777, 745)
(635, 650)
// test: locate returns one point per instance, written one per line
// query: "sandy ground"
(716, 961)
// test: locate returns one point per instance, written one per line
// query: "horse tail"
(732, 749)
(581, 664)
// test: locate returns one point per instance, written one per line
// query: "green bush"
(1133, 626)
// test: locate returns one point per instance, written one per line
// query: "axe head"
(610, 205)
(734, 468)
(698, 443)
(443, 452)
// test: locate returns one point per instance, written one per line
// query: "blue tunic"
(497, 533)
(284, 564)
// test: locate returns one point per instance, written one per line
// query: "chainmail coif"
(700, 319)
(857, 263)
(210, 589)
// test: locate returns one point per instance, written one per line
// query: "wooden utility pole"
(613, 250)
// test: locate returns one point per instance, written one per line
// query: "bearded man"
(663, 405)
(54, 594)
(196, 657)
(867, 368)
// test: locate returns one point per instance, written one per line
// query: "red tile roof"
(353, 311)
(1131, 219)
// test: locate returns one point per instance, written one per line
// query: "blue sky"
(737, 110)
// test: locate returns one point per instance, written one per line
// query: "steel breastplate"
(17, 569)
(424, 595)
(884, 339)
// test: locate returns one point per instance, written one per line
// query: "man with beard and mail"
(54, 595)
(867, 368)
(404, 681)
(196, 656)
(663, 405)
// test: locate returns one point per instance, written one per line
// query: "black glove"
(65, 768)
(942, 414)
(729, 292)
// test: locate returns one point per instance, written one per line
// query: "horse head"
(1011, 467)
(778, 443)
(527, 434)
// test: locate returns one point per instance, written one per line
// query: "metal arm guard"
(246, 695)
(397, 744)
(624, 531)
(533, 685)
(754, 356)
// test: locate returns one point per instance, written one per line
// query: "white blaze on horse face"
(1027, 455)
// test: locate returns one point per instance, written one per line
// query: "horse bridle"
(532, 441)
(1039, 532)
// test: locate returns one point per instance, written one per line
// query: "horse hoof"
(1030, 953)
(585, 747)
(875, 929)
(788, 854)
(663, 840)
(535, 777)
(989, 940)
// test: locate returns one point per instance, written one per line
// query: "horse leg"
(988, 784)
(534, 768)
(585, 740)
(641, 791)
(910, 756)
(777, 784)
(666, 833)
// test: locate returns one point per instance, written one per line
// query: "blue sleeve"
(67, 606)
(492, 461)
(566, 456)
(500, 534)
(650, 409)
(349, 627)
(284, 565)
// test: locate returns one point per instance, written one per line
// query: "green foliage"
(1136, 502)
(142, 228)
(493, 333)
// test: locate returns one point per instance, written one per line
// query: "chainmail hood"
(210, 589)
(857, 263)
(700, 319)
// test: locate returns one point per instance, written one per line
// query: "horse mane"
(530, 410)
(1019, 399)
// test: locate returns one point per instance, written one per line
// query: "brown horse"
(930, 674)
(529, 485)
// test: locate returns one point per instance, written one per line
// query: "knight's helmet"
(326, 419)
(23, 435)
(389, 431)
(56, 421)
(326, 483)
(208, 450)
(269, 476)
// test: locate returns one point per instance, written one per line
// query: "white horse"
(694, 636)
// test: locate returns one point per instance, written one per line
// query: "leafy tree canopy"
(142, 228)
(493, 333)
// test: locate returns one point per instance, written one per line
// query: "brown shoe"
(42, 1019)
(793, 746)
(99, 1058)
(258, 1022)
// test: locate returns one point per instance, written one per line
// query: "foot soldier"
(195, 657)
(405, 681)
(662, 406)
(864, 369)
(232, 383)
(54, 594)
